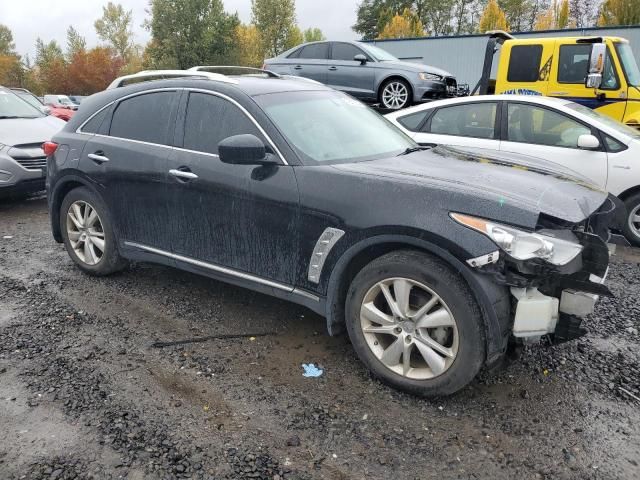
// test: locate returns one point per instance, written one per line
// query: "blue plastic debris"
(310, 370)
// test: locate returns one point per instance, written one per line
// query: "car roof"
(537, 99)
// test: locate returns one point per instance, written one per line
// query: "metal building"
(463, 55)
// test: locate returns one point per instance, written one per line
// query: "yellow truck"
(598, 72)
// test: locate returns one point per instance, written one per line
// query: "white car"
(600, 148)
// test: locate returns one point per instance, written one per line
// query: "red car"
(61, 113)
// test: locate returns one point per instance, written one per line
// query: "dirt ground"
(85, 393)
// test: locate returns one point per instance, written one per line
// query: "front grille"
(32, 163)
(452, 85)
(30, 156)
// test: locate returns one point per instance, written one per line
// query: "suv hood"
(531, 187)
(24, 131)
(415, 67)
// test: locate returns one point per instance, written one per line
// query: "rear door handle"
(98, 157)
(297, 67)
(333, 69)
(183, 174)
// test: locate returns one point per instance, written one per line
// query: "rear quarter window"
(524, 63)
(95, 122)
(413, 121)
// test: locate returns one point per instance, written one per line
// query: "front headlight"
(429, 76)
(523, 245)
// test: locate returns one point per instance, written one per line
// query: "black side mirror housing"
(360, 58)
(245, 149)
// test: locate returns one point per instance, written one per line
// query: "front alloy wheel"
(409, 328)
(634, 221)
(395, 95)
(85, 232)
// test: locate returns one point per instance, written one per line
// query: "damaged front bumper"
(537, 314)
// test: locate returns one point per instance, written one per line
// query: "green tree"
(619, 12)
(313, 35)
(493, 18)
(7, 47)
(185, 33)
(250, 51)
(406, 25)
(369, 22)
(75, 43)
(47, 53)
(276, 22)
(114, 28)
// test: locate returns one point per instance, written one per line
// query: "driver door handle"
(297, 67)
(333, 69)
(183, 174)
(98, 157)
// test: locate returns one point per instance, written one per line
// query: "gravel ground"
(85, 393)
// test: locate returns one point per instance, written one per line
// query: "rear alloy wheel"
(395, 95)
(85, 232)
(88, 233)
(415, 324)
(632, 225)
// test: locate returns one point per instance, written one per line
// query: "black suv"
(431, 258)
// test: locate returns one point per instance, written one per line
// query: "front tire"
(88, 233)
(632, 224)
(414, 323)
(395, 94)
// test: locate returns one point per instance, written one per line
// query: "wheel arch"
(56, 196)
(628, 192)
(492, 299)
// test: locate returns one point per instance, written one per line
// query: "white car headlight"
(429, 76)
(523, 245)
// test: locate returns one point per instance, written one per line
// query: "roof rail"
(250, 70)
(161, 74)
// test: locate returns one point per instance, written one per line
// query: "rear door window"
(145, 118)
(315, 51)
(524, 63)
(476, 120)
(210, 119)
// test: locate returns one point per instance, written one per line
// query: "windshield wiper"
(409, 150)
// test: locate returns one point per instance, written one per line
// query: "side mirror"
(596, 65)
(245, 149)
(588, 142)
(46, 110)
(360, 58)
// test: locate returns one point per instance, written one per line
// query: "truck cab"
(598, 72)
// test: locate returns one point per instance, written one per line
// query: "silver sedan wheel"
(85, 232)
(409, 328)
(395, 95)
(634, 221)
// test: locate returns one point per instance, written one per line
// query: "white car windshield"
(65, 100)
(378, 53)
(608, 121)
(331, 127)
(12, 106)
(629, 64)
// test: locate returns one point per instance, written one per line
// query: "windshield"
(629, 64)
(608, 121)
(378, 53)
(12, 106)
(27, 97)
(331, 127)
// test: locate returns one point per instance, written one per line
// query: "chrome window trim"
(174, 89)
(224, 270)
(247, 114)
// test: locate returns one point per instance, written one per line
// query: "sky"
(49, 19)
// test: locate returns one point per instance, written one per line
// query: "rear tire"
(632, 224)
(432, 342)
(88, 235)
